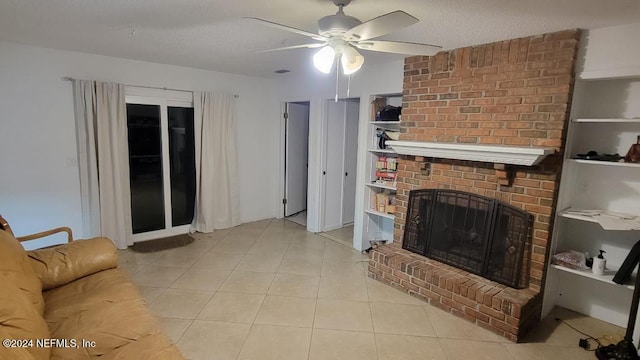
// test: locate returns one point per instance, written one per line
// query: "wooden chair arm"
(47, 233)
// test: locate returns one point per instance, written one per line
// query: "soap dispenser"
(599, 264)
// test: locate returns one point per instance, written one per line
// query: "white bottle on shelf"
(599, 264)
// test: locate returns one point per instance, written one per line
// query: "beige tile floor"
(342, 235)
(271, 290)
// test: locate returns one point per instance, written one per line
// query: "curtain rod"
(69, 78)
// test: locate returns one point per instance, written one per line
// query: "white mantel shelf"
(498, 154)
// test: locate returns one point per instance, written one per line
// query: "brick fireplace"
(514, 92)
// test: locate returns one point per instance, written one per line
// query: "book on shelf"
(386, 174)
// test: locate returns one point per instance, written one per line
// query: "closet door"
(350, 161)
(334, 166)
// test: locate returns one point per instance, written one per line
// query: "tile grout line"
(315, 309)
(373, 323)
(252, 324)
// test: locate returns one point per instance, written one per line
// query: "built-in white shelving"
(378, 225)
(596, 120)
(382, 186)
(605, 120)
(380, 214)
(382, 123)
(569, 215)
(607, 277)
(605, 163)
(382, 151)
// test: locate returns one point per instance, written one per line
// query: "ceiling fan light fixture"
(351, 60)
(323, 59)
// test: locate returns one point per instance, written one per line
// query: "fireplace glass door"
(470, 232)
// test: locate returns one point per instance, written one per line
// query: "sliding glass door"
(161, 166)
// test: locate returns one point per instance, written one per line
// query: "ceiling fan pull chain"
(349, 85)
(337, 81)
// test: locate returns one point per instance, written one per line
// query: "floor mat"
(162, 244)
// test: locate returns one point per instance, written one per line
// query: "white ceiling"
(211, 34)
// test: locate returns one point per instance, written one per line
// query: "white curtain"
(217, 200)
(101, 123)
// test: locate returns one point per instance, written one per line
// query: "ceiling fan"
(340, 35)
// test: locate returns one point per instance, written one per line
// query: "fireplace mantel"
(498, 154)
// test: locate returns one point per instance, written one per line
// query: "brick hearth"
(514, 92)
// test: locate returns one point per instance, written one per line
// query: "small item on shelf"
(383, 135)
(570, 259)
(386, 174)
(599, 264)
(390, 208)
(593, 155)
(392, 164)
(589, 260)
(382, 139)
(389, 113)
(378, 104)
(382, 200)
(633, 155)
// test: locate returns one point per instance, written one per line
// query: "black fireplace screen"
(471, 232)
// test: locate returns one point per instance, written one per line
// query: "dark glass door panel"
(145, 168)
(182, 164)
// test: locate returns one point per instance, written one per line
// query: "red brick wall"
(514, 92)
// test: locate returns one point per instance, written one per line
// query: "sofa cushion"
(16, 269)
(106, 308)
(62, 264)
(20, 320)
(155, 346)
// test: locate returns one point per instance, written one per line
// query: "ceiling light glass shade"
(351, 60)
(323, 60)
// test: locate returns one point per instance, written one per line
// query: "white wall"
(319, 89)
(39, 186)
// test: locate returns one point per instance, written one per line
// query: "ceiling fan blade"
(286, 28)
(382, 25)
(398, 47)
(309, 46)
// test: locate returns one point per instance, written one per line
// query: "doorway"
(161, 166)
(296, 161)
(340, 164)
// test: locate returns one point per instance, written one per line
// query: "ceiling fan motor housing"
(337, 25)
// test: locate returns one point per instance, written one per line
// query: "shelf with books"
(382, 185)
(380, 171)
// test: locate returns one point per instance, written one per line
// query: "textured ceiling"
(211, 34)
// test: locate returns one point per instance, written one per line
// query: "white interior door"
(333, 166)
(296, 157)
(350, 160)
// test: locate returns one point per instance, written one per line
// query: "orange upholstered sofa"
(72, 302)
